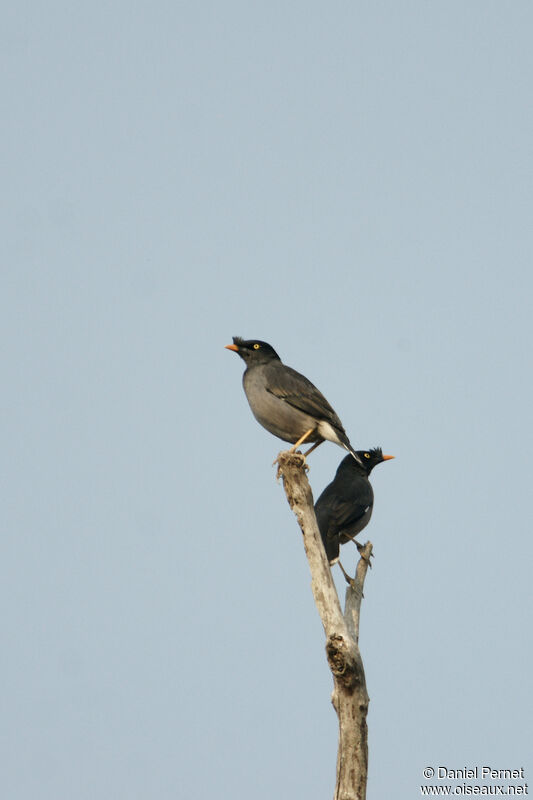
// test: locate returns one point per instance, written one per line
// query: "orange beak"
(387, 458)
(232, 347)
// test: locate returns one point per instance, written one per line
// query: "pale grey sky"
(353, 184)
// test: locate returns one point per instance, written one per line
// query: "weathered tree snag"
(349, 698)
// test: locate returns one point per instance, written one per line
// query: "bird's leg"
(301, 440)
(347, 578)
(347, 538)
(316, 444)
(298, 443)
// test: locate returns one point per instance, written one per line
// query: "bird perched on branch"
(286, 403)
(345, 506)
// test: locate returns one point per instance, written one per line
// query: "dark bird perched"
(345, 506)
(285, 402)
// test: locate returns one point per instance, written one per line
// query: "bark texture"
(350, 698)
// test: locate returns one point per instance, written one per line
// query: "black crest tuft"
(376, 452)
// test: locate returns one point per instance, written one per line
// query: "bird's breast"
(274, 413)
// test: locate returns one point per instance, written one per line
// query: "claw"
(301, 462)
(360, 548)
(298, 454)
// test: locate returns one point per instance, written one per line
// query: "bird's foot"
(361, 548)
(289, 459)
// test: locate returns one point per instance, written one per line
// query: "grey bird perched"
(345, 506)
(284, 402)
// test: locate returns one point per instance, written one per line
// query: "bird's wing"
(299, 392)
(348, 512)
(336, 509)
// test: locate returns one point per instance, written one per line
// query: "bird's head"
(253, 351)
(369, 458)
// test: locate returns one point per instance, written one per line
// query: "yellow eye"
(367, 455)
(256, 346)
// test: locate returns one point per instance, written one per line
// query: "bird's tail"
(343, 440)
(331, 541)
(332, 548)
(350, 449)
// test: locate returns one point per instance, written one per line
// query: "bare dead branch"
(354, 592)
(349, 698)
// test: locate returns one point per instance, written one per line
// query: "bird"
(345, 506)
(285, 402)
